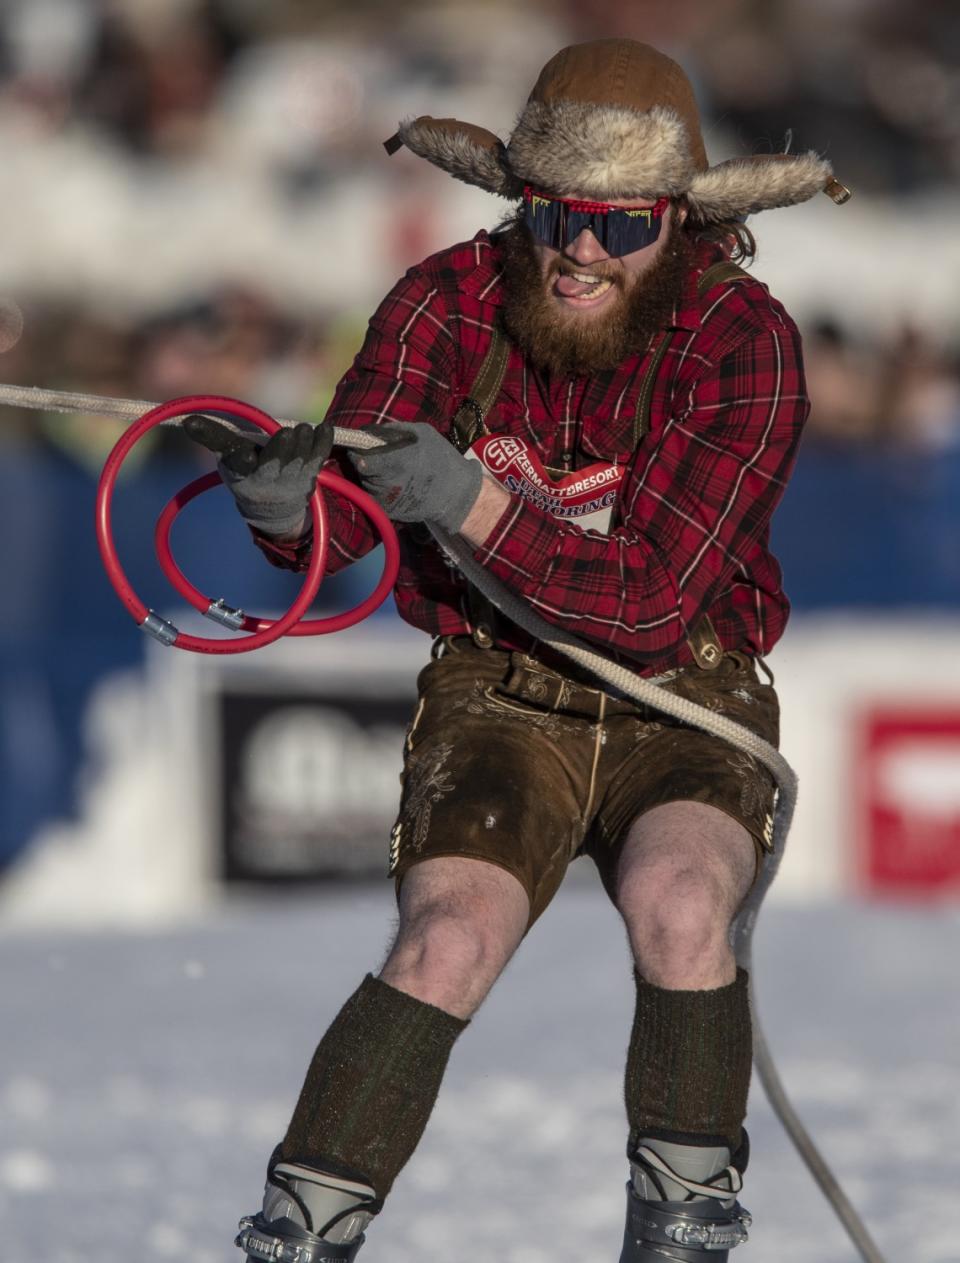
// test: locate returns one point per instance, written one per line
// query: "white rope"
(631, 685)
(41, 400)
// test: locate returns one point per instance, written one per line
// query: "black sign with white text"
(309, 785)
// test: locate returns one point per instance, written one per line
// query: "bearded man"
(607, 409)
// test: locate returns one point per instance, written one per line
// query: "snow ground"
(145, 1077)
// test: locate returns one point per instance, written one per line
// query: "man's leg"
(375, 1075)
(683, 872)
(460, 922)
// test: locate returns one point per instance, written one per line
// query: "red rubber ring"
(266, 632)
(307, 627)
(108, 478)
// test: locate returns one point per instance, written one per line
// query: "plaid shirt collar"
(484, 282)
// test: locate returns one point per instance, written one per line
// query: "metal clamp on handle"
(159, 628)
(225, 614)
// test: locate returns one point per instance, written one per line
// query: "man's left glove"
(418, 476)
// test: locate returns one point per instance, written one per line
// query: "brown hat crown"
(622, 74)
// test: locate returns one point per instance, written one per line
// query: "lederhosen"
(469, 425)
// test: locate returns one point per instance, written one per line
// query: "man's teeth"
(598, 286)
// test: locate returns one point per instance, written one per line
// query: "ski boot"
(308, 1216)
(682, 1203)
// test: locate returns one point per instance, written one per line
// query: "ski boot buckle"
(671, 1230)
(711, 1236)
(265, 1245)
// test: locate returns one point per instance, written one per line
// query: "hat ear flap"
(463, 150)
(742, 186)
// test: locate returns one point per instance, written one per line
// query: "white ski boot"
(682, 1205)
(308, 1216)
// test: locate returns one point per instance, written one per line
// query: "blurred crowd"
(298, 96)
(902, 394)
(234, 341)
(303, 80)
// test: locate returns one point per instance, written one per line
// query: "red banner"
(908, 799)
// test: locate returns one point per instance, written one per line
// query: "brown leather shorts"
(512, 762)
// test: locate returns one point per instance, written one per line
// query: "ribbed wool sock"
(372, 1085)
(688, 1065)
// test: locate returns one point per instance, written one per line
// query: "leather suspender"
(469, 424)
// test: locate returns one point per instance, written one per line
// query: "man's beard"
(568, 344)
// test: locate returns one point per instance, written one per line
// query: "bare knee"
(677, 919)
(684, 871)
(457, 932)
(447, 938)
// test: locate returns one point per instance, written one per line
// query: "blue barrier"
(62, 627)
(871, 530)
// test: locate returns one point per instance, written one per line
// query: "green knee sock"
(688, 1065)
(372, 1085)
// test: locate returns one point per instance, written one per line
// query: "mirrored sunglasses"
(555, 221)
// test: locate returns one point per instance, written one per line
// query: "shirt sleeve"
(694, 509)
(403, 372)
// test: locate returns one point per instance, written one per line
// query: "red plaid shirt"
(698, 491)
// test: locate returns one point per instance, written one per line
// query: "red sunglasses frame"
(593, 208)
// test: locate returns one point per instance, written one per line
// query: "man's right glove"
(272, 482)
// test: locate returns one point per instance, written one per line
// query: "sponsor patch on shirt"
(583, 498)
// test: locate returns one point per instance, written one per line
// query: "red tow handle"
(261, 631)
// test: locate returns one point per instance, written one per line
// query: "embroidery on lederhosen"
(427, 784)
(395, 834)
(768, 820)
(484, 700)
(753, 797)
(537, 687)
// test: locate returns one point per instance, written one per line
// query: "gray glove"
(418, 476)
(271, 482)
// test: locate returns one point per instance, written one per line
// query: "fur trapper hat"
(616, 119)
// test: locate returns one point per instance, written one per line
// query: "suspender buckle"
(704, 644)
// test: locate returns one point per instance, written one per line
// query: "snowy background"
(144, 1078)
